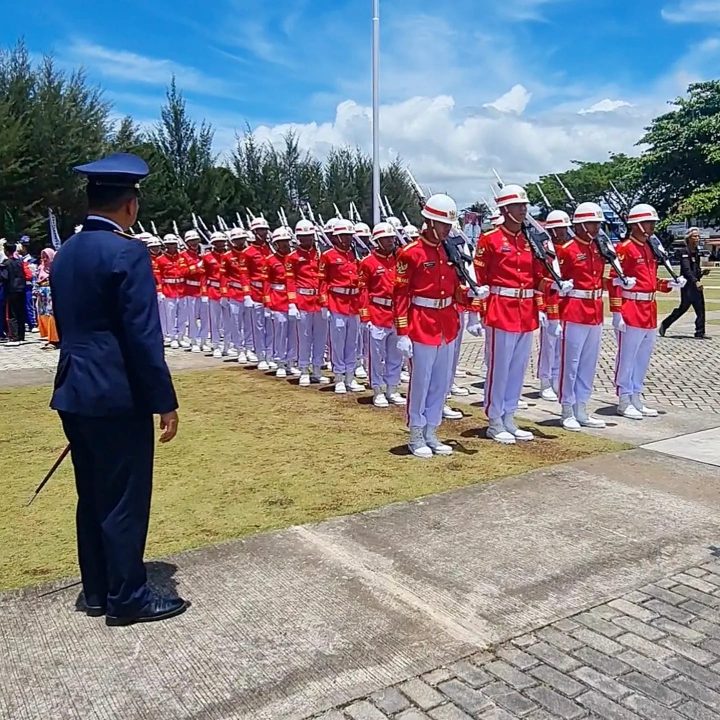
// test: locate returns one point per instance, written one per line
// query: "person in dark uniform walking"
(111, 379)
(692, 293)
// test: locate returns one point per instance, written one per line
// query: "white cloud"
(692, 11)
(604, 106)
(514, 100)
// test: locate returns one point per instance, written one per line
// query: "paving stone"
(598, 624)
(692, 582)
(632, 609)
(680, 647)
(652, 689)
(670, 611)
(525, 640)
(696, 691)
(512, 676)
(466, 698)
(480, 658)
(597, 641)
(599, 681)
(668, 596)
(559, 639)
(559, 681)
(502, 694)
(552, 656)
(703, 611)
(636, 597)
(651, 709)
(555, 703)
(469, 673)
(646, 647)
(695, 711)
(437, 676)
(565, 626)
(643, 664)
(497, 714)
(681, 631)
(412, 714)
(516, 657)
(422, 694)
(703, 675)
(605, 707)
(331, 715)
(712, 645)
(633, 625)
(604, 663)
(448, 712)
(390, 700)
(701, 597)
(696, 572)
(706, 628)
(363, 710)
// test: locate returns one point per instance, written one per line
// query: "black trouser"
(16, 315)
(113, 461)
(689, 297)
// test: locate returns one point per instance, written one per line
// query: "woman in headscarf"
(46, 321)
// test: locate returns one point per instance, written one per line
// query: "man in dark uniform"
(692, 293)
(111, 379)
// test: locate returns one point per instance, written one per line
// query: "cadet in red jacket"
(635, 311)
(214, 264)
(195, 311)
(377, 282)
(304, 263)
(427, 291)
(154, 246)
(339, 292)
(515, 308)
(238, 335)
(256, 254)
(172, 267)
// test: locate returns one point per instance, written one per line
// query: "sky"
(525, 86)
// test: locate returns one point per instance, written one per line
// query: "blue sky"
(525, 85)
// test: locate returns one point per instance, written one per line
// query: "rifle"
(543, 196)
(240, 222)
(384, 215)
(140, 225)
(175, 229)
(323, 240)
(154, 229)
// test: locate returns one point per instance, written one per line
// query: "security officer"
(692, 293)
(111, 380)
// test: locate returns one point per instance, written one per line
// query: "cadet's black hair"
(109, 197)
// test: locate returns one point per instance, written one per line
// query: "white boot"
(251, 357)
(217, 353)
(263, 365)
(547, 392)
(185, 342)
(450, 414)
(232, 352)
(587, 420)
(627, 409)
(242, 358)
(459, 390)
(522, 404)
(404, 376)
(206, 346)
(195, 348)
(340, 388)
(417, 445)
(569, 421)
(360, 373)
(281, 372)
(304, 379)
(394, 396)
(638, 404)
(434, 444)
(174, 344)
(379, 399)
(295, 372)
(272, 365)
(496, 431)
(352, 384)
(514, 430)
(318, 379)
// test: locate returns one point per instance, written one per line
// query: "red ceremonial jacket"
(255, 256)
(214, 264)
(339, 290)
(377, 282)
(305, 267)
(156, 270)
(582, 263)
(279, 283)
(194, 274)
(173, 269)
(236, 278)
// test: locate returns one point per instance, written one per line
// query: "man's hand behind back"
(169, 426)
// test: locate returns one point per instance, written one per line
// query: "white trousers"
(344, 331)
(162, 311)
(508, 355)
(549, 356)
(173, 308)
(284, 339)
(362, 344)
(385, 358)
(635, 347)
(262, 333)
(313, 335)
(431, 368)
(219, 321)
(234, 326)
(580, 352)
(195, 314)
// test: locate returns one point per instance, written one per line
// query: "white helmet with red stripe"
(362, 230)
(282, 233)
(511, 195)
(383, 230)
(411, 231)
(218, 237)
(642, 213)
(236, 233)
(304, 227)
(330, 226)
(588, 212)
(395, 222)
(192, 235)
(153, 241)
(441, 208)
(343, 227)
(557, 219)
(259, 223)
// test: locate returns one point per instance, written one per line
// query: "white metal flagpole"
(376, 108)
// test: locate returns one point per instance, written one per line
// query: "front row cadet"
(154, 246)
(214, 265)
(635, 311)
(172, 269)
(238, 333)
(377, 282)
(426, 299)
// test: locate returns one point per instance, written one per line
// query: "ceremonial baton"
(51, 472)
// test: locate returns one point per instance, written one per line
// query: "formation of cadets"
(397, 314)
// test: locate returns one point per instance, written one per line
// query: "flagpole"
(376, 108)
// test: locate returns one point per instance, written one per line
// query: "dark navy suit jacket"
(112, 360)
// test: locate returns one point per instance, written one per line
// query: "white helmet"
(330, 226)
(511, 195)
(282, 233)
(343, 227)
(236, 233)
(217, 237)
(588, 212)
(304, 227)
(259, 223)
(171, 239)
(441, 208)
(557, 219)
(144, 236)
(362, 229)
(395, 222)
(411, 231)
(642, 213)
(383, 230)
(192, 235)
(153, 241)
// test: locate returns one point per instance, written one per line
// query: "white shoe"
(242, 358)
(185, 343)
(404, 376)
(340, 388)
(206, 347)
(586, 419)
(195, 349)
(568, 419)
(380, 400)
(417, 444)
(395, 397)
(515, 431)
(217, 353)
(460, 373)
(320, 379)
(522, 405)
(295, 372)
(35, 330)
(304, 380)
(355, 386)
(272, 365)
(263, 365)
(547, 392)
(627, 409)
(281, 372)
(327, 366)
(638, 404)
(459, 390)
(251, 357)
(174, 345)
(496, 431)
(434, 444)
(360, 373)
(13, 343)
(232, 352)
(450, 414)
(166, 342)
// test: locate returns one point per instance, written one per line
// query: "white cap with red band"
(642, 213)
(441, 208)
(588, 212)
(511, 195)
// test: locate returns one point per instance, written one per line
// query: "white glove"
(248, 302)
(482, 292)
(678, 284)
(542, 317)
(325, 313)
(404, 345)
(627, 284)
(204, 299)
(224, 302)
(565, 287)
(474, 325)
(618, 322)
(267, 313)
(293, 312)
(555, 328)
(160, 296)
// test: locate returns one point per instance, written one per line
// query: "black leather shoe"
(702, 337)
(159, 608)
(95, 610)
(662, 330)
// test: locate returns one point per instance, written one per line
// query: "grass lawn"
(253, 454)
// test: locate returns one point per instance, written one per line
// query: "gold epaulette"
(128, 236)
